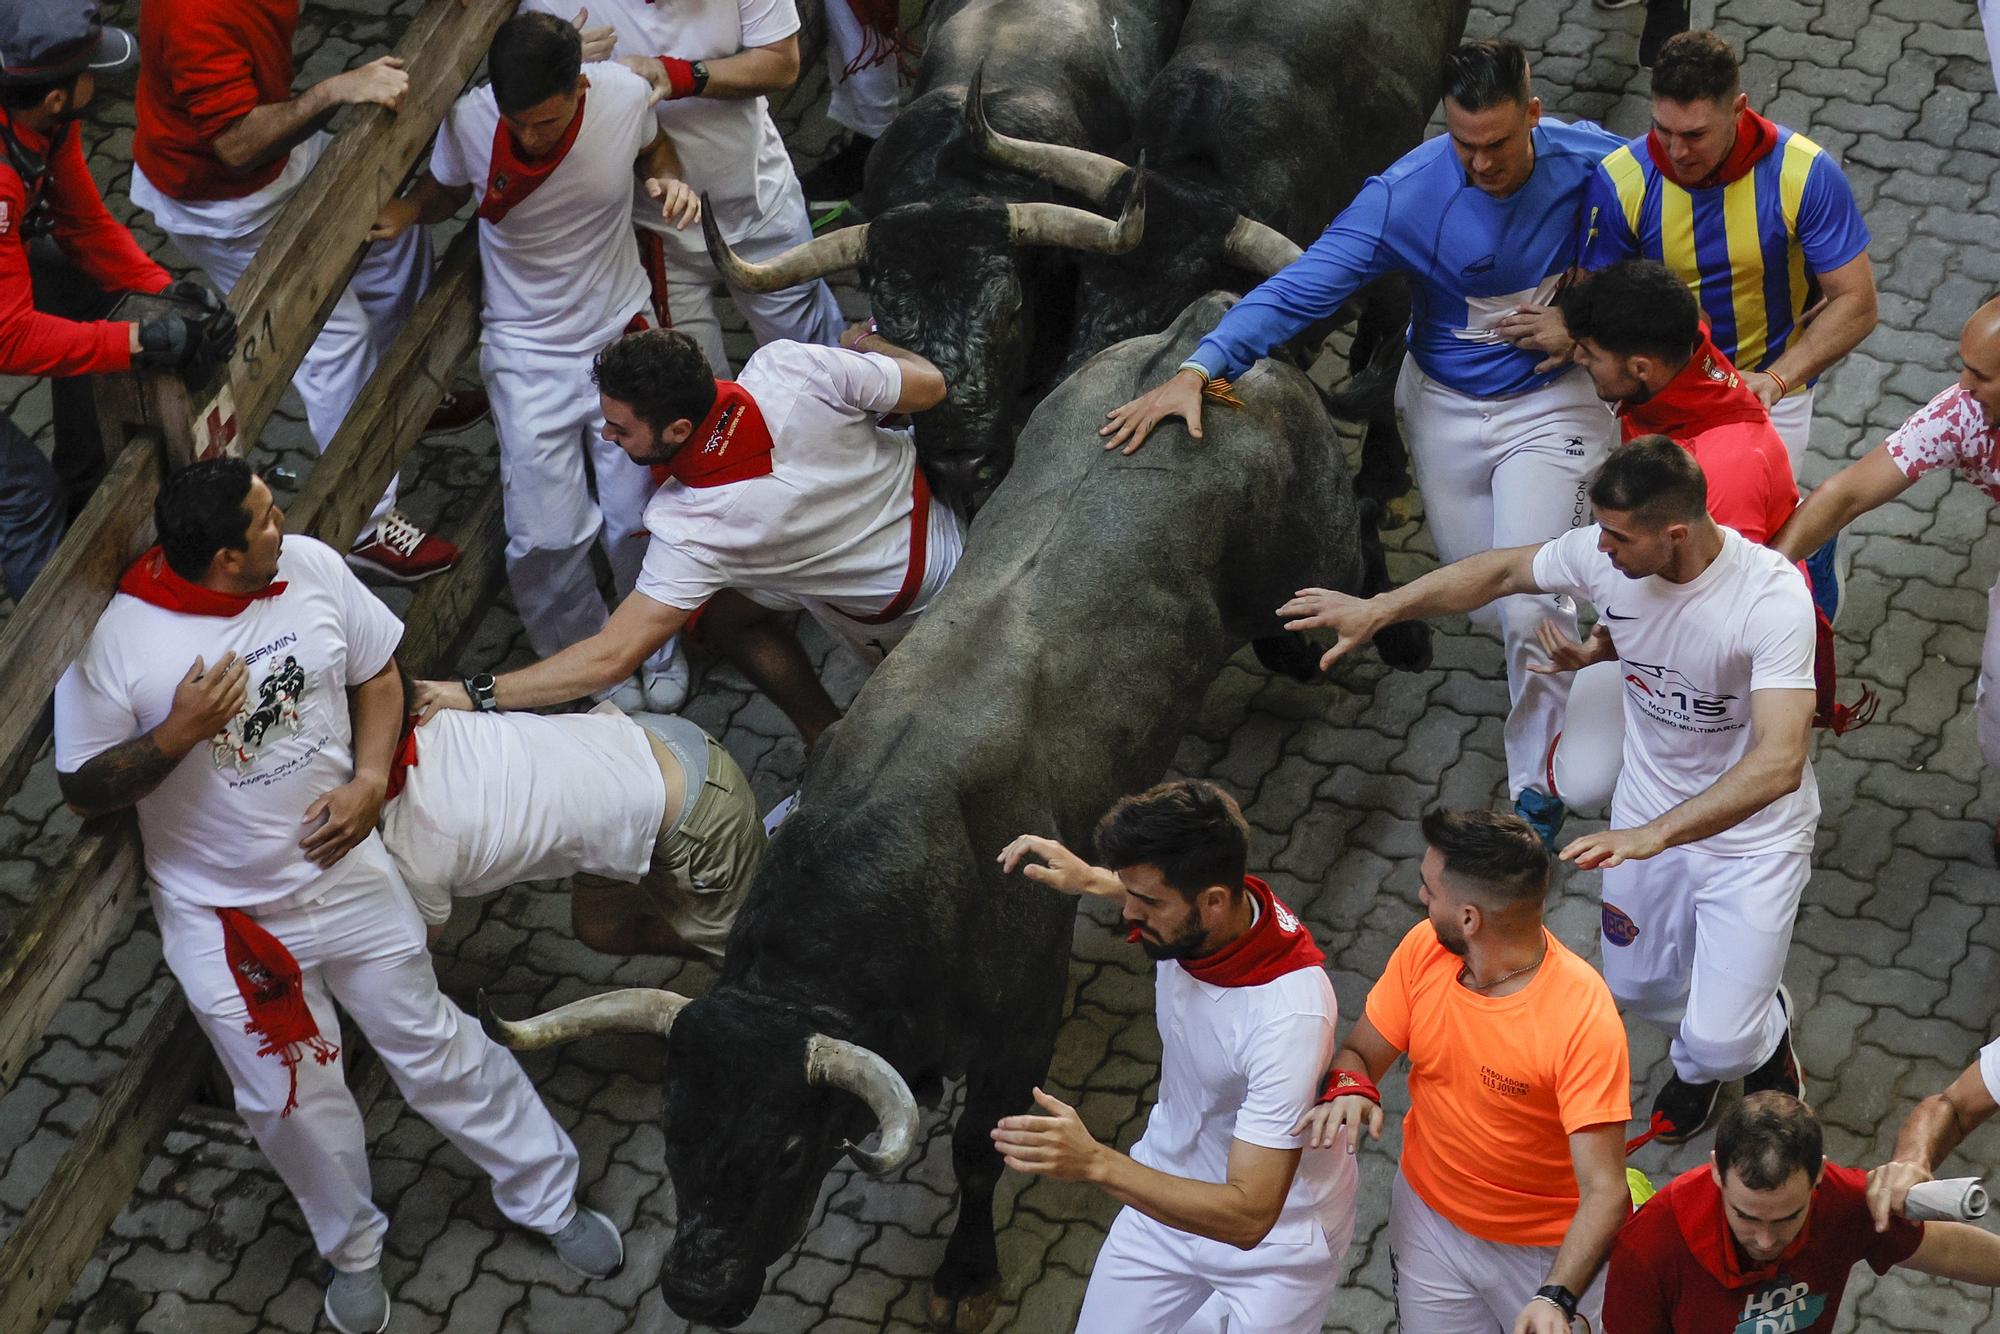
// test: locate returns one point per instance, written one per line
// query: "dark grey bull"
(880, 951)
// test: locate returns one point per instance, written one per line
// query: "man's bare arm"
(1935, 1127)
(924, 384)
(276, 128)
(1849, 317)
(204, 702)
(1871, 481)
(755, 70)
(1597, 1154)
(634, 633)
(1462, 586)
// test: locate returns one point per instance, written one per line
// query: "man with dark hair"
(1222, 1207)
(221, 144)
(1482, 219)
(62, 256)
(1512, 1178)
(783, 493)
(1765, 1234)
(258, 773)
(1712, 821)
(553, 145)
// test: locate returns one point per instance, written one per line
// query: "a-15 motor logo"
(1665, 691)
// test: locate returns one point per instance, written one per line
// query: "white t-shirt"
(831, 520)
(1692, 654)
(498, 798)
(1245, 1063)
(561, 272)
(223, 828)
(729, 148)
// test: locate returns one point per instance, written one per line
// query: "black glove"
(196, 343)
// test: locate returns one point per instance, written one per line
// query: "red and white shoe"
(398, 550)
(458, 410)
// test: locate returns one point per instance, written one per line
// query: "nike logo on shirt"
(1616, 617)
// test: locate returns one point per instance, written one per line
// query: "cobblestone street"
(1895, 965)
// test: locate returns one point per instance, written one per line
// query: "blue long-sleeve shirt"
(1471, 259)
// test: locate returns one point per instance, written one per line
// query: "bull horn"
(1079, 228)
(843, 1065)
(801, 264)
(1260, 249)
(1092, 175)
(634, 1010)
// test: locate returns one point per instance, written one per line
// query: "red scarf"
(1706, 394)
(731, 444)
(267, 976)
(404, 760)
(151, 579)
(510, 178)
(1278, 944)
(1755, 138)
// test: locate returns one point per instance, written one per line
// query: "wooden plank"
(388, 418)
(316, 241)
(446, 611)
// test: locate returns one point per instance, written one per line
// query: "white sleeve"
(1783, 633)
(631, 97)
(675, 577)
(373, 632)
(1563, 565)
(1989, 1068)
(448, 164)
(1282, 1077)
(93, 713)
(768, 21)
(860, 381)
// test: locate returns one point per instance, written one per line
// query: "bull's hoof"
(1405, 647)
(963, 1315)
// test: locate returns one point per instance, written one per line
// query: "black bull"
(1097, 598)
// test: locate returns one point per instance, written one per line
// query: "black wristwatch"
(480, 690)
(700, 72)
(1556, 1295)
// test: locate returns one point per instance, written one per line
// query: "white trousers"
(1695, 944)
(1988, 705)
(358, 940)
(1448, 1281)
(1151, 1279)
(684, 285)
(550, 422)
(1989, 18)
(1509, 472)
(364, 321)
(1792, 419)
(864, 101)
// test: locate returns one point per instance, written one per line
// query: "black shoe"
(1682, 1110)
(1664, 19)
(839, 177)
(1780, 1072)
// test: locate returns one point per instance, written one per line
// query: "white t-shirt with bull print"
(223, 828)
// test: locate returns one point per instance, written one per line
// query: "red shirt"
(203, 66)
(33, 343)
(1676, 1269)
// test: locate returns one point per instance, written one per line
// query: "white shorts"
(1151, 1279)
(1450, 1282)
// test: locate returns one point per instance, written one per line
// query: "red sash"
(151, 579)
(1277, 945)
(267, 976)
(913, 573)
(510, 178)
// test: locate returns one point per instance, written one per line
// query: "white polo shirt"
(223, 828)
(1691, 655)
(830, 521)
(560, 272)
(729, 147)
(1246, 1063)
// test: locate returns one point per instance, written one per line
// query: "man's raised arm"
(1462, 586)
(275, 128)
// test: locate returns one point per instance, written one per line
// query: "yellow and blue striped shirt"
(1748, 250)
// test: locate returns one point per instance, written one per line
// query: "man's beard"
(1453, 941)
(1185, 944)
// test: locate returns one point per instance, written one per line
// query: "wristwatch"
(480, 690)
(700, 72)
(1556, 1295)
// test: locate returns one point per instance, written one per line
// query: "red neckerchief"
(267, 976)
(1755, 138)
(404, 760)
(731, 444)
(1697, 1205)
(1277, 945)
(511, 178)
(151, 579)
(1706, 394)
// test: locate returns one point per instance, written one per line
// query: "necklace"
(1465, 973)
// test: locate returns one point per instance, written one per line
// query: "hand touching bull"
(1178, 396)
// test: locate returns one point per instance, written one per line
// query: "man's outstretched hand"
(1179, 396)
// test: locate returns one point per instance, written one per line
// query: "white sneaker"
(357, 1303)
(665, 690)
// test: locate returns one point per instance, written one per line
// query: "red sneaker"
(398, 550)
(458, 410)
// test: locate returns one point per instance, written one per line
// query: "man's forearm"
(1219, 1211)
(1930, 1133)
(1839, 329)
(275, 128)
(1958, 1251)
(581, 669)
(1599, 1215)
(753, 72)
(1462, 586)
(1751, 784)
(120, 776)
(1826, 511)
(376, 710)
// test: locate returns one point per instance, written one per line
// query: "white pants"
(358, 940)
(1509, 472)
(1988, 705)
(1448, 1281)
(684, 285)
(547, 415)
(1151, 1279)
(1989, 18)
(1695, 944)
(864, 101)
(364, 321)
(1792, 419)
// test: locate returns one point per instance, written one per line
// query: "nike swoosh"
(1616, 617)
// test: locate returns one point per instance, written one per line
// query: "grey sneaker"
(357, 1303)
(590, 1244)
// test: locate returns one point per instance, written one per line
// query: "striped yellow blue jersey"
(1748, 249)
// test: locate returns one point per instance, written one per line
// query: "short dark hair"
(661, 374)
(534, 57)
(1486, 73)
(25, 96)
(1697, 66)
(1635, 308)
(1189, 828)
(1766, 1137)
(199, 512)
(1498, 851)
(1653, 478)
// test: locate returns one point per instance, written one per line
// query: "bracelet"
(1783, 388)
(1556, 1295)
(681, 80)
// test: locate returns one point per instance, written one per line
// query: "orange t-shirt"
(1497, 1085)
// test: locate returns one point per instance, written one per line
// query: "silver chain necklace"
(1465, 978)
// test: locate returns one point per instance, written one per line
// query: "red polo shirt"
(203, 66)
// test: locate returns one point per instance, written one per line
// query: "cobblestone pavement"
(1896, 962)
